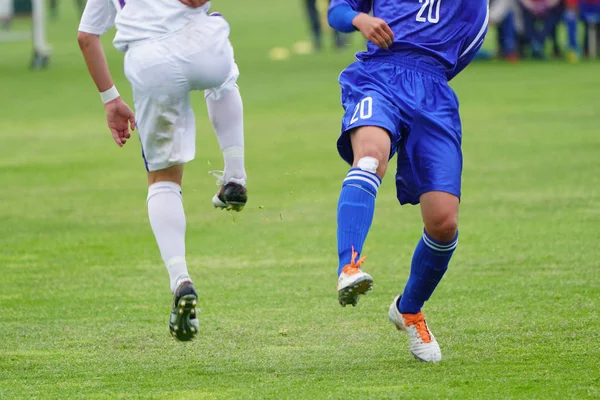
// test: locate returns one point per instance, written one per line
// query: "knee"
(442, 227)
(373, 142)
(372, 152)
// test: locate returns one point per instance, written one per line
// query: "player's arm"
(93, 53)
(348, 15)
(97, 18)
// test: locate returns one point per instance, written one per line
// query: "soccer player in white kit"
(170, 49)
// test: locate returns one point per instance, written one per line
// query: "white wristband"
(109, 95)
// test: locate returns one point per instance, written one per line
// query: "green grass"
(84, 298)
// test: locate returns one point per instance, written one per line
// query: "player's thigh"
(207, 54)
(370, 125)
(433, 145)
(228, 84)
(167, 129)
(436, 162)
(210, 69)
(164, 115)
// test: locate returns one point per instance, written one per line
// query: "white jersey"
(136, 20)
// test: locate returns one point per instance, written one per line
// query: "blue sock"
(571, 21)
(429, 263)
(355, 212)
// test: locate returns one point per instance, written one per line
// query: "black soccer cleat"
(183, 323)
(232, 196)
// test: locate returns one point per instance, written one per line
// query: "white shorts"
(163, 72)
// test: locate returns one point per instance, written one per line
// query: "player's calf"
(429, 264)
(355, 215)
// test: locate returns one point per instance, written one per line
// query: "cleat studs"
(184, 332)
(181, 311)
(182, 303)
(194, 303)
(175, 328)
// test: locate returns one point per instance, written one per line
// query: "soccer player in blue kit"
(397, 101)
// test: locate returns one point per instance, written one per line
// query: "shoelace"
(354, 265)
(220, 175)
(418, 321)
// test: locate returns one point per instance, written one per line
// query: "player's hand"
(120, 119)
(194, 3)
(374, 29)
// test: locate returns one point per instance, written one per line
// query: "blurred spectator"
(54, 7)
(502, 15)
(314, 17)
(590, 13)
(6, 12)
(572, 20)
(587, 11)
(556, 49)
(540, 19)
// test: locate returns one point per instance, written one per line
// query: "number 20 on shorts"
(363, 110)
(430, 11)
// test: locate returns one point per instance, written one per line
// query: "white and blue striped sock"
(429, 264)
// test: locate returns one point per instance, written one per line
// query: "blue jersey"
(443, 34)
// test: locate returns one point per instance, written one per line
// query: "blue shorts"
(420, 112)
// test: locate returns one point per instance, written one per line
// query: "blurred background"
(520, 29)
(84, 296)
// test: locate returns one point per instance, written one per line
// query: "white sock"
(226, 113)
(167, 218)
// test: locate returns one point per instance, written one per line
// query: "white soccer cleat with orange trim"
(422, 342)
(353, 282)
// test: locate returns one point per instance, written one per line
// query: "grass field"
(84, 298)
